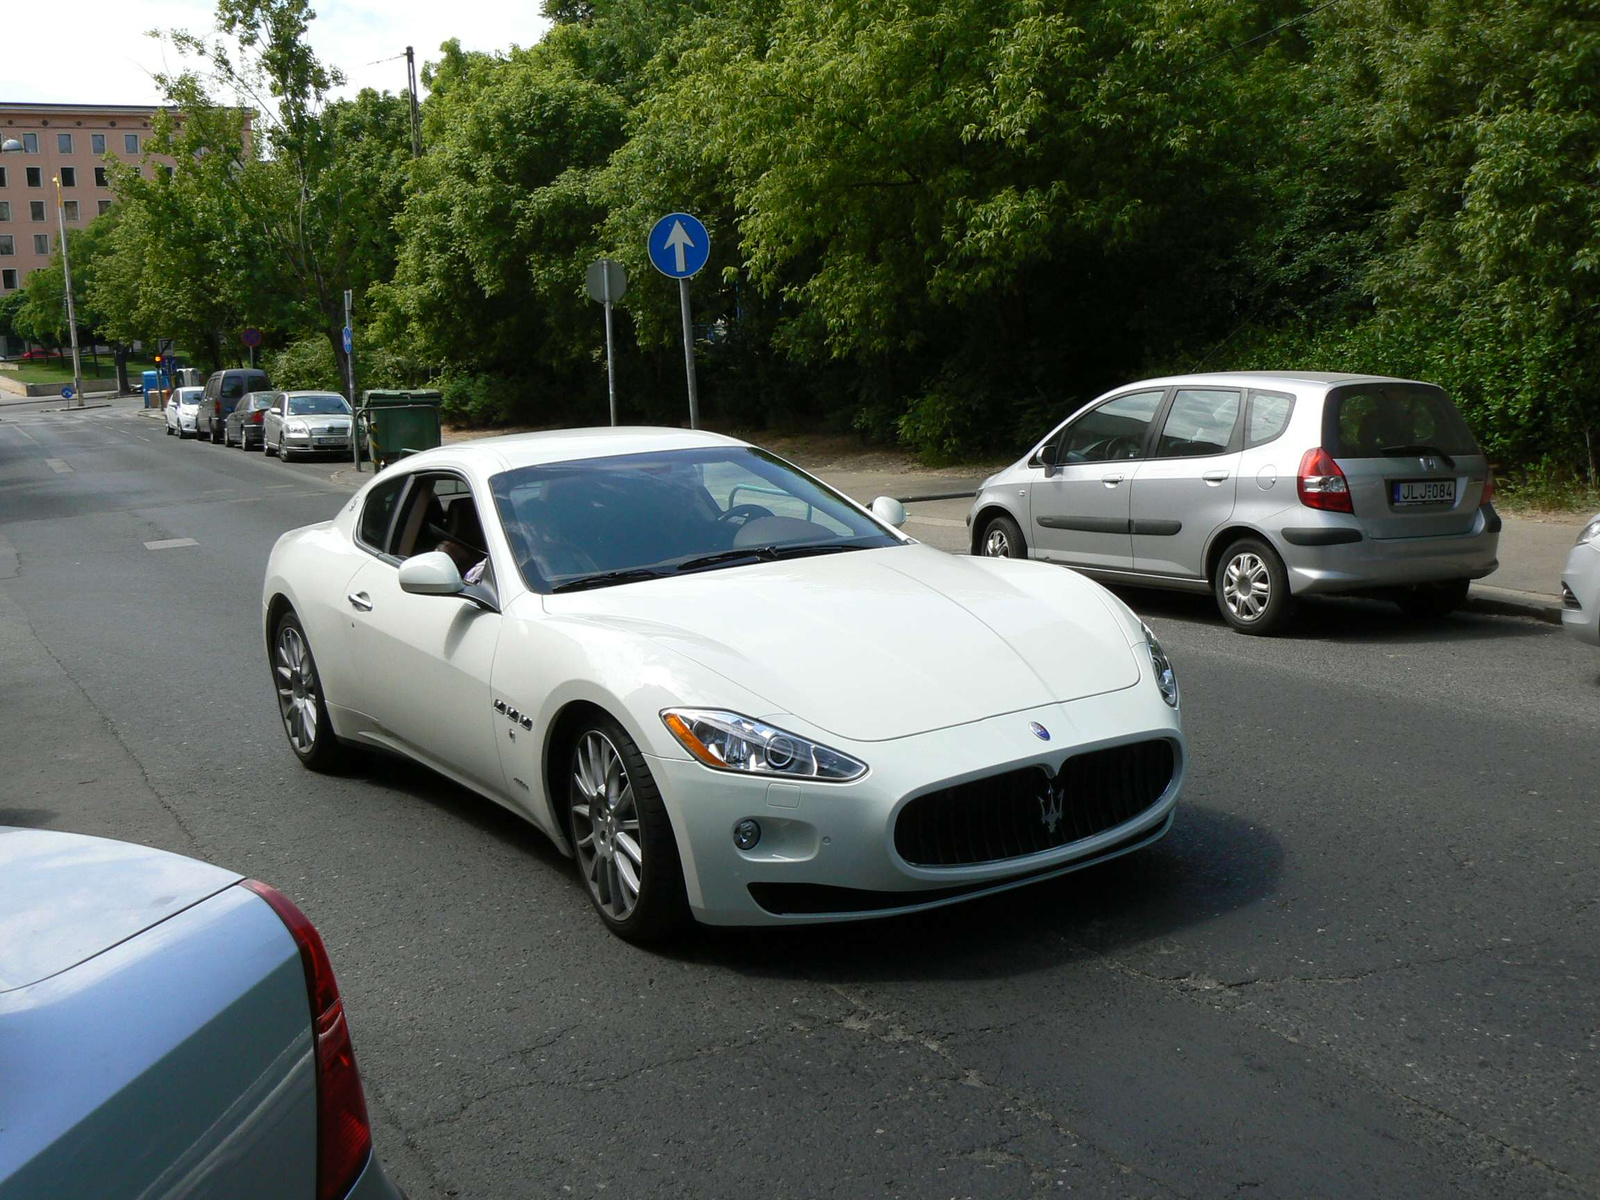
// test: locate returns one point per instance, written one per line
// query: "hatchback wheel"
(1429, 601)
(621, 836)
(1252, 587)
(300, 700)
(1002, 539)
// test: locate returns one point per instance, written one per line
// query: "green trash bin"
(394, 424)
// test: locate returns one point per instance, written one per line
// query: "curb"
(1507, 602)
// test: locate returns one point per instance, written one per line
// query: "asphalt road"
(1363, 963)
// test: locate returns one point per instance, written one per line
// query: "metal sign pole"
(611, 370)
(688, 354)
(350, 374)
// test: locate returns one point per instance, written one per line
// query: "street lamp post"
(72, 312)
(14, 146)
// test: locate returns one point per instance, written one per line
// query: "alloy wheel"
(297, 689)
(997, 544)
(1247, 586)
(605, 826)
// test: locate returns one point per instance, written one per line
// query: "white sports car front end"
(728, 691)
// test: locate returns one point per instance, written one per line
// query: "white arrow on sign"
(678, 241)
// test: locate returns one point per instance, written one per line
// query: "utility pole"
(349, 333)
(72, 312)
(416, 116)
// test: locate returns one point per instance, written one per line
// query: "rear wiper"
(607, 578)
(1418, 448)
(764, 554)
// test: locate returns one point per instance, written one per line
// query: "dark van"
(223, 390)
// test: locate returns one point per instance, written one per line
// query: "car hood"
(65, 897)
(879, 644)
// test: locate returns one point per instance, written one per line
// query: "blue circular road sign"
(349, 340)
(679, 245)
(67, 392)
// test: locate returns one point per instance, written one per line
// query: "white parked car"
(726, 689)
(1580, 585)
(183, 405)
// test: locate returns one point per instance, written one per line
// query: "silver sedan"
(306, 423)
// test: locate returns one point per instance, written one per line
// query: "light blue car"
(168, 1028)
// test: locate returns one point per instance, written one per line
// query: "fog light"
(746, 834)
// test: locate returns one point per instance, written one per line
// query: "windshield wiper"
(607, 578)
(765, 554)
(1418, 448)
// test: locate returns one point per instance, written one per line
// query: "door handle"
(1214, 476)
(360, 601)
(1111, 481)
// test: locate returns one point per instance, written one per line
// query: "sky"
(96, 51)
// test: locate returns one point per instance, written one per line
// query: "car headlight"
(1591, 532)
(297, 428)
(726, 741)
(1166, 678)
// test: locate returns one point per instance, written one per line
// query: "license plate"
(331, 441)
(1424, 491)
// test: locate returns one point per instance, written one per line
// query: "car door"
(1080, 507)
(425, 662)
(1185, 491)
(273, 421)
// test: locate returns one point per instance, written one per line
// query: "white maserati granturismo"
(728, 691)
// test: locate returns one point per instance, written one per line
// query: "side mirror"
(890, 511)
(1047, 454)
(431, 574)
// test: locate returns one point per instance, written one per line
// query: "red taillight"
(256, 418)
(1322, 484)
(344, 1135)
(1488, 488)
(219, 408)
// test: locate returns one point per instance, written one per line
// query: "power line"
(1273, 32)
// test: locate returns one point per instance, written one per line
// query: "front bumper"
(1367, 562)
(836, 841)
(1580, 582)
(318, 443)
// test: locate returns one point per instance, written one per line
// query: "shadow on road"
(1210, 864)
(1354, 620)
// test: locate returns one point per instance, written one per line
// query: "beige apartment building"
(69, 140)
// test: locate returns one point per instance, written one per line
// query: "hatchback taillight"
(344, 1134)
(255, 418)
(1488, 488)
(1322, 484)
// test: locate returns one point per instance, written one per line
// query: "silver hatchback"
(1258, 487)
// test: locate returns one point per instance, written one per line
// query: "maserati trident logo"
(1050, 806)
(1039, 731)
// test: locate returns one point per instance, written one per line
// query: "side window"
(1269, 417)
(1115, 430)
(373, 531)
(1199, 423)
(440, 514)
(232, 387)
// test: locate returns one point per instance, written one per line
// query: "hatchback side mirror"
(431, 574)
(890, 511)
(1047, 454)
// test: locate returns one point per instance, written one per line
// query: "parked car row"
(239, 407)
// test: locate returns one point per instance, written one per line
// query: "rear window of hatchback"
(1385, 420)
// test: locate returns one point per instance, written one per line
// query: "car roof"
(510, 451)
(1267, 378)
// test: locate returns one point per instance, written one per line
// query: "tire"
(1266, 604)
(1430, 601)
(284, 452)
(604, 767)
(1002, 539)
(169, 430)
(301, 704)
(266, 447)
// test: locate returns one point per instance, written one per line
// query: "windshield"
(317, 405)
(189, 395)
(602, 521)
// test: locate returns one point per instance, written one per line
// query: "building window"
(30, 143)
(41, 243)
(70, 209)
(100, 177)
(64, 143)
(8, 244)
(69, 176)
(35, 210)
(35, 176)
(97, 142)
(2, 177)
(8, 279)
(105, 207)
(5, 210)
(166, 171)
(130, 143)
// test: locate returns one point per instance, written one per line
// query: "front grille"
(1029, 811)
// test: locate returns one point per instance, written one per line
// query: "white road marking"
(170, 543)
(58, 466)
